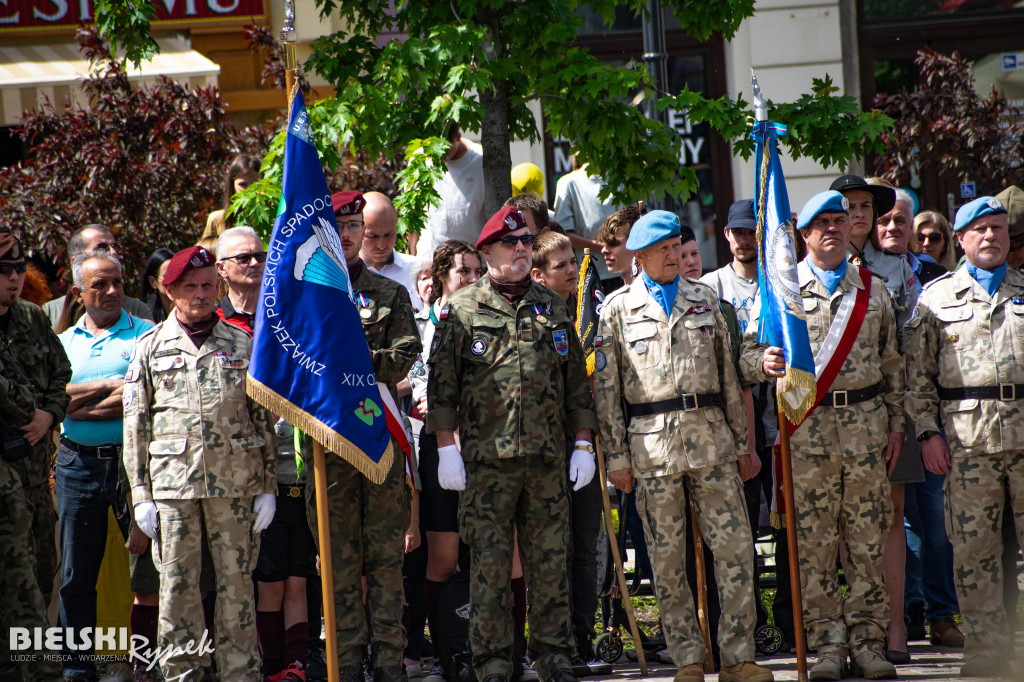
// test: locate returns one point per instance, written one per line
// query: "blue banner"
(310, 363)
(782, 320)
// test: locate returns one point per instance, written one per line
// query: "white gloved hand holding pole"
(581, 465)
(263, 505)
(146, 518)
(451, 471)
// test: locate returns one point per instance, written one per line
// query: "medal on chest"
(538, 310)
(364, 306)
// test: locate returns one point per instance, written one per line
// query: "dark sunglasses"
(930, 237)
(19, 267)
(510, 240)
(246, 258)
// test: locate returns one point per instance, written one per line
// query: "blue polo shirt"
(100, 357)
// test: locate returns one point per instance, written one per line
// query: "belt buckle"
(689, 402)
(840, 399)
(1007, 392)
(294, 491)
(107, 452)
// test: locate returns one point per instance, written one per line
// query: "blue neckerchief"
(663, 294)
(988, 279)
(829, 278)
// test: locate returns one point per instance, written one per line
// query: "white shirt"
(577, 209)
(399, 269)
(461, 214)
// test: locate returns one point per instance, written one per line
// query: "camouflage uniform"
(514, 385)
(648, 356)
(201, 450)
(34, 372)
(839, 470)
(368, 521)
(960, 337)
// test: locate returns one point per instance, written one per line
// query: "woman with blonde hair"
(933, 236)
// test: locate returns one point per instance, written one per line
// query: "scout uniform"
(512, 381)
(682, 428)
(965, 355)
(199, 448)
(839, 468)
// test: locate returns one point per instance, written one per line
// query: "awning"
(29, 74)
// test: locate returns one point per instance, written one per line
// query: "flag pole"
(602, 473)
(761, 116)
(288, 38)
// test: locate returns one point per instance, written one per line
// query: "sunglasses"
(510, 240)
(19, 267)
(930, 237)
(246, 258)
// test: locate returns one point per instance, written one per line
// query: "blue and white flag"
(782, 319)
(310, 362)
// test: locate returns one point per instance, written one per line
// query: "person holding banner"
(966, 375)
(666, 356)
(840, 452)
(200, 456)
(506, 371)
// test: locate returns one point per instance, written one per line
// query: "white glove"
(264, 505)
(451, 472)
(146, 518)
(581, 465)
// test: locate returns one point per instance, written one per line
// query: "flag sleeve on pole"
(589, 301)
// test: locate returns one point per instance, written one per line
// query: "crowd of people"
(139, 406)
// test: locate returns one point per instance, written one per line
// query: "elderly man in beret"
(671, 412)
(843, 448)
(201, 458)
(965, 375)
(507, 373)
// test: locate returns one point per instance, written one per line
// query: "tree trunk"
(494, 136)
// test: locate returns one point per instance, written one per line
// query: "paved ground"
(928, 663)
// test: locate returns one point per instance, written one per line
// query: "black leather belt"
(290, 490)
(97, 451)
(846, 398)
(1005, 392)
(687, 402)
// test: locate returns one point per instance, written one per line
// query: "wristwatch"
(584, 445)
(922, 437)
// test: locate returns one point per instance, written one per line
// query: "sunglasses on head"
(511, 239)
(930, 237)
(246, 258)
(19, 267)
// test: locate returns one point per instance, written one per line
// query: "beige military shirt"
(190, 431)
(859, 428)
(959, 337)
(647, 356)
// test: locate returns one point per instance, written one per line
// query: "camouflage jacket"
(389, 323)
(647, 356)
(859, 428)
(34, 373)
(961, 337)
(190, 431)
(512, 381)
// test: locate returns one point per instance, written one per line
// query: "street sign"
(967, 190)
(1011, 61)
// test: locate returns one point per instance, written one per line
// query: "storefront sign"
(44, 14)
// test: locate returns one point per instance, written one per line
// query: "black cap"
(741, 216)
(685, 233)
(885, 197)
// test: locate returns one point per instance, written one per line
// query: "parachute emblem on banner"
(320, 260)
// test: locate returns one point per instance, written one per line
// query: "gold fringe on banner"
(797, 392)
(331, 440)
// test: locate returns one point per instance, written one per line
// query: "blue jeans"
(931, 570)
(86, 487)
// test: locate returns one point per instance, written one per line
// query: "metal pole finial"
(288, 32)
(760, 106)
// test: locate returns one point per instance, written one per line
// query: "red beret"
(10, 247)
(185, 260)
(508, 219)
(348, 202)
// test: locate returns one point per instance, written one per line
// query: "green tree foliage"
(946, 125)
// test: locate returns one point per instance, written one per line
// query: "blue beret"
(973, 210)
(652, 228)
(824, 202)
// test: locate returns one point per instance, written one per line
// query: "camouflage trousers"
(528, 494)
(43, 516)
(846, 498)
(975, 505)
(21, 602)
(178, 558)
(717, 495)
(367, 526)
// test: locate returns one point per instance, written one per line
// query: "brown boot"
(745, 672)
(944, 632)
(691, 673)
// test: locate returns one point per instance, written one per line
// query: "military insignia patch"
(131, 375)
(1018, 299)
(435, 344)
(640, 347)
(561, 339)
(478, 347)
(698, 309)
(444, 313)
(129, 396)
(600, 361)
